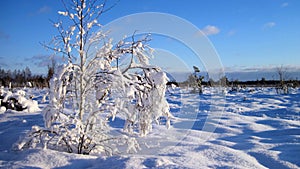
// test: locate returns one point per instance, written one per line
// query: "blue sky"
(247, 34)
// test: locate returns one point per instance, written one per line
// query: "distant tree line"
(250, 83)
(265, 83)
(196, 81)
(24, 78)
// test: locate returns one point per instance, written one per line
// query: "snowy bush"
(17, 101)
(85, 93)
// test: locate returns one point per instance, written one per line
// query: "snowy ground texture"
(257, 129)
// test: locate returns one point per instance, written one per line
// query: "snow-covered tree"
(195, 80)
(282, 87)
(93, 87)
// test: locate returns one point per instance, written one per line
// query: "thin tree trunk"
(81, 53)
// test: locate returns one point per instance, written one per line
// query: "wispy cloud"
(4, 36)
(269, 72)
(269, 25)
(44, 9)
(210, 30)
(2, 62)
(261, 68)
(283, 5)
(44, 60)
(231, 33)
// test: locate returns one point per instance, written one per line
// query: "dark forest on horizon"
(24, 77)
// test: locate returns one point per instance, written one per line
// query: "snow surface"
(258, 129)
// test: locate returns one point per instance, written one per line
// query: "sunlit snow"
(257, 129)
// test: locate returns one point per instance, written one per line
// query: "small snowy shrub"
(85, 93)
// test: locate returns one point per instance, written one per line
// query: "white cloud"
(269, 25)
(210, 30)
(284, 5)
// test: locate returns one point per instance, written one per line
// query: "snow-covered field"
(257, 129)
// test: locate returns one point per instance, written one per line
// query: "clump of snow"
(2, 109)
(63, 13)
(32, 106)
(18, 100)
